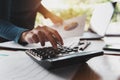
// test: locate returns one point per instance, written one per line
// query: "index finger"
(56, 35)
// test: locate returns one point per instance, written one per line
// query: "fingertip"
(43, 43)
(55, 47)
(62, 43)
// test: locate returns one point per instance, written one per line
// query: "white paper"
(5, 53)
(78, 31)
(12, 44)
(114, 28)
(22, 67)
(112, 40)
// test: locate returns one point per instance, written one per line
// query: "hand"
(41, 34)
(56, 19)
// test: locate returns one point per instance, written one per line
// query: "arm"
(21, 35)
(47, 14)
(10, 31)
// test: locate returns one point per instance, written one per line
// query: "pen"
(85, 46)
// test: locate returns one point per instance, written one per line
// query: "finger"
(52, 40)
(34, 36)
(49, 37)
(41, 38)
(56, 35)
(35, 39)
(40, 35)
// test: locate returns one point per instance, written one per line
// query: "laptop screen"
(101, 17)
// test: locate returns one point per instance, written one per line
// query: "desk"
(106, 67)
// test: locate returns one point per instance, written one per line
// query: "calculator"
(51, 58)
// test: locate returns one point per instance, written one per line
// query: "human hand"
(56, 19)
(41, 34)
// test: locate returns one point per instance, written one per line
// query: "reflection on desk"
(86, 73)
(107, 66)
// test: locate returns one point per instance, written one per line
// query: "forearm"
(45, 12)
(10, 31)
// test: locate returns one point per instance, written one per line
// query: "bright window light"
(55, 4)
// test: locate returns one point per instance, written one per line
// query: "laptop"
(100, 20)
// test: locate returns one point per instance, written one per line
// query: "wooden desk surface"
(106, 67)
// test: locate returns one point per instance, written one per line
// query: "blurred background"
(71, 8)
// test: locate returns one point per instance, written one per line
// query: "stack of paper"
(21, 67)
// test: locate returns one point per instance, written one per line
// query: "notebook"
(100, 20)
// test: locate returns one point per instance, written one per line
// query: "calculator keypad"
(50, 52)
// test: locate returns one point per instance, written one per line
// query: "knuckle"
(55, 31)
(33, 36)
(38, 32)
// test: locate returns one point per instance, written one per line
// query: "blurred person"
(17, 18)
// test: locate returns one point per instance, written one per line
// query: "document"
(22, 67)
(78, 31)
(113, 29)
(112, 40)
(5, 53)
(15, 46)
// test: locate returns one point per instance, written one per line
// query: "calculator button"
(75, 50)
(62, 51)
(69, 50)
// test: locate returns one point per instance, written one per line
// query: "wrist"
(22, 38)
